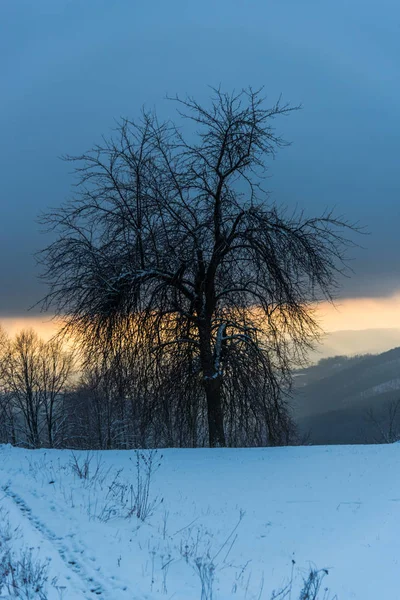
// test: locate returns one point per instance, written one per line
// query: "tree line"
(50, 398)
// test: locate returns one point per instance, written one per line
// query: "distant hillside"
(351, 342)
(332, 399)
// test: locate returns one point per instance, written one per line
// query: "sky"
(69, 68)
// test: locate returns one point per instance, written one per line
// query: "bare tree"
(7, 425)
(34, 377)
(386, 423)
(21, 380)
(173, 247)
(55, 368)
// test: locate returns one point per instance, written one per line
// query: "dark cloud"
(68, 68)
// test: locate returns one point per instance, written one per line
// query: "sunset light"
(181, 416)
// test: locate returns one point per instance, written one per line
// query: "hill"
(346, 400)
(353, 342)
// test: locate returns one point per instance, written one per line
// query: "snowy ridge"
(381, 388)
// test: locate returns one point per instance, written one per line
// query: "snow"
(252, 511)
(381, 388)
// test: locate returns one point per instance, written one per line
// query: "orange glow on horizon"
(360, 313)
(347, 314)
(44, 326)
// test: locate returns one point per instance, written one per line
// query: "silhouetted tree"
(7, 425)
(54, 374)
(385, 422)
(34, 377)
(172, 247)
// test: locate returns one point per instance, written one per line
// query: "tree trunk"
(50, 434)
(212, 386)
(50, 424)
(13, 433)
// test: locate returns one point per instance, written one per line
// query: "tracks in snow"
(74, 555)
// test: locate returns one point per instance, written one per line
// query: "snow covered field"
(237, 517)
